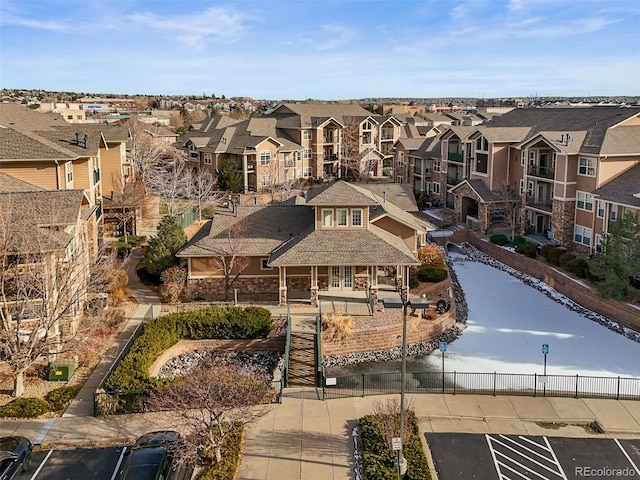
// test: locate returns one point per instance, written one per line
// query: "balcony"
(328, 139)
(426, 172)
(540, 203)
(386, 136)
(453, 180)
(96, 176)
(455, 157)
(330, 157)
(541, 172)
(98, 211)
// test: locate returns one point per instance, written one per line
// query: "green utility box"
(62, 369)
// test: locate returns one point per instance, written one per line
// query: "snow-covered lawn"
(509, 322)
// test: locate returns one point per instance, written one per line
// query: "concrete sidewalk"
(305, 437)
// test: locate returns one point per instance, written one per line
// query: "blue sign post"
(443, 348)
(545, 350)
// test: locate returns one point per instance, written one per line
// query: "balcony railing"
(455, 157)
(98, 211)
(423, 172)
(96, 176)
(539, 202)
(541, 172)
(386, 136)
(453, 180)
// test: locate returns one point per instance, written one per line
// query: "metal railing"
(287, 351)
(319, 370)
(455, 157)
(532, 385)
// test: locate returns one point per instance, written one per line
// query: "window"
(400, 159)
(587, 166)
(530, 189)
(366, 125)
(265, 180)
(68, 172)
(264, 264)
(399, 180)
(265, 157)
(327, 217)
(532, 158)
(207, 158)
(436, 165)
(342, 216)
(584, 201)
(600, 209)
(613, 214)
(598, 243)
(521, 187)
(306, 172)
(482, 163)
(193, 151)
(435, 188)
(554, 160)
(306, 135)
(523, 157)
(582, 235)
(306, 153)
(482, 144)
(296, 156)
(356, 217)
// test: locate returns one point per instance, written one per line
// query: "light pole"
(416, 303)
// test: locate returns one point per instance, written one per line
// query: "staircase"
(302, 359)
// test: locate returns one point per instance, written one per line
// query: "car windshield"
(10, 444)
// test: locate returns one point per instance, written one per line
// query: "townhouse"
(296, 141)
(337, 237)
(44, 150)
(559, 169)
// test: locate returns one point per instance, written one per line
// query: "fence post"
(618, 390)
(535, 384)
(363, 384)
(495, 374)
(454, 382)
(577, 376)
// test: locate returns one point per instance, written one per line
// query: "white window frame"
(600, 209)
(580, 234)
(613, 212)
(264, 264)
(521, 186)
(68, 172)
(265, 180)
(435, 188)
(583, 200)
(598, 242)
(523, 158)
(587, 166)
(436, 166)
(265, 157)
(344, 213)
(400, 159)
(530, 189)
(307, 135)
(356, 217)
(306, 153)
(207, 158)
(307, 172)
(399, 179)
(327, 217)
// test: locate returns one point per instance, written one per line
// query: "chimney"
(567, 140)
(384, 196)
(77, 138)
(562, 138)
(86, 139)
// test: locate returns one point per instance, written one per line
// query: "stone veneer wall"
(562, 222)
(390, 336)
(254, 289)
(620, 312)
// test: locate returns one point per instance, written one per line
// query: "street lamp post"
(416, 303)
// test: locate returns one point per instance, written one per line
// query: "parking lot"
(85, 463)
(506, 457)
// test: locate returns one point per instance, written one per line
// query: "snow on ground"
(509, 321)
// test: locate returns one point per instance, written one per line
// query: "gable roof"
(10, 184)
(339, 193)
(311, 115)
(623, 189)
(485, 194)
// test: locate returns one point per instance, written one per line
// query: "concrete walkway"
(148, 307)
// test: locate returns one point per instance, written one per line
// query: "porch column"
(314, 286)
(245, 173)
(374, 283)
(404, 290)
(282, 280)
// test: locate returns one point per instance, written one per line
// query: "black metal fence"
(574, 386)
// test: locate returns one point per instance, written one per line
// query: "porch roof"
(484, 193)
(372, 246)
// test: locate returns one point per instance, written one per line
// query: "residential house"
(48, 239)
(44, 150)
(547, 162)
(338, 237)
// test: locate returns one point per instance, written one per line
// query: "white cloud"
(338, 35)
(7, 18)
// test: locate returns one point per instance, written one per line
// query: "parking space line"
(35, 474)
(627, 455)
(115, 472)
(523, 453)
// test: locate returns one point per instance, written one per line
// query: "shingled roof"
(623, 189)
(10, 184)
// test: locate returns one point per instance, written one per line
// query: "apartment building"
(567, 170)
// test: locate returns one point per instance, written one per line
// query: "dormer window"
(356, 217)
(342, 217)
(327, 217)
(482, 144)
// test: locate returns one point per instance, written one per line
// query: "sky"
(323, 49)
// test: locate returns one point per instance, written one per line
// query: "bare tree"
(387, 415)
(124, 202)
(171, 181)
(350, 155)
(229, 255)
(46, 279)
(212, 401)
(147, 151)
(203, 190)
(508, 207)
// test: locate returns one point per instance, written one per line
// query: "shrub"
(579, 267)
(336, 326)
(378, 458)
(134, 240)
(60, 398)
(554, 256)
(518, 243)
(414, 282)
(132, 372)
(545, 250)
(431, 255)
(565, 258)
(530, 250)
(25, 407)
(431, 274)
(499, 239)
(122, 248)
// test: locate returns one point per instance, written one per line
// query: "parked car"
(152, 458)
(15, 456)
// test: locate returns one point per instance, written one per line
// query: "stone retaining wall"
(387, 337)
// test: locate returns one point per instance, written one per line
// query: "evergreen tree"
(229, 178)
(163, 247)
(619, 263)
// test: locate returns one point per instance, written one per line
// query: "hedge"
(432, 274)
(25, 407)
(378, 458)
(499, 239)
(132, 372)
(60, 398)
